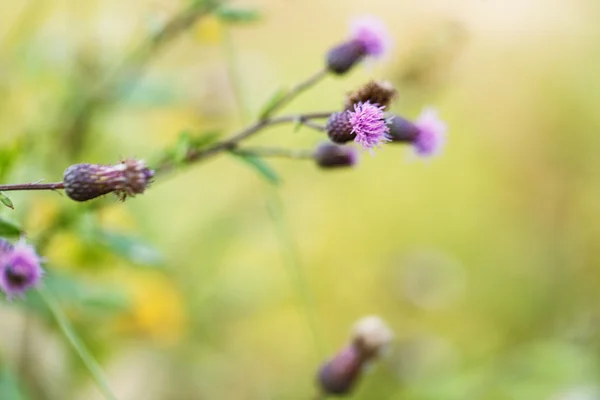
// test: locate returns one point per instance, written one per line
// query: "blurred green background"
(217, 285)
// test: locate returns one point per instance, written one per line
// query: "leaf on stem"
(260, 166)
(238, 15)
(272, 103)
(6, 201)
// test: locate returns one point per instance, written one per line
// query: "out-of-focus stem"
(296, 154)
(296, 90)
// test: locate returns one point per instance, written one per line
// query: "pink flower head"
(431, 135)
(369, 124)
(19, 270)
(372, 34)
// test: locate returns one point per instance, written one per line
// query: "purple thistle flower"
(19, 270)
(372, 34)
(431, 135)
(369, 124)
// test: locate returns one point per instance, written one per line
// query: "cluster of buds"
(20, 268)
(340, 374)
(365, 122)
(87, 181)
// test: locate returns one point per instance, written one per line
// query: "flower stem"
(296, 90)
(296, 154)
(231, 143)
(32, 186)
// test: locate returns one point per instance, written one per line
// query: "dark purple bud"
(339, 375)
(87, 181)
(339, 128)
(343, 57)
(402, 130)
(330, 155)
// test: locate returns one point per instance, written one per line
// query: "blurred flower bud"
(402, 130)
(87, 181)
(427, 134)
(19, 269)
(339, 375)
(339, 128)
(379, 93)
(369, 37)
(329, 155)
(371, 335)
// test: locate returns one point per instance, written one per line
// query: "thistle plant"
(364, 122)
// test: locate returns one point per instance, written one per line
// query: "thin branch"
(32, 186)
(296, 154)
(234, 140)
(296, 90)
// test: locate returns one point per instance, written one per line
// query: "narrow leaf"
(261, 167)
(8, 228)
(238, 15)
(6, 201)
(272, 103)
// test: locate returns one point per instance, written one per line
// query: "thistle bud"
(371, 336)
(380, 93)
(343, 57)
(87, 181)
(369, 37)
(427, 134)
(402, 130)
(340, 374)
(329, 155)
(339, 128)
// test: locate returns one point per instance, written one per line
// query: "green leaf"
(6, 201)
(261, 167)
(131, 248)
(238, 15)
(9, 386)
(272, 103)
(186, 142)
(8, 228)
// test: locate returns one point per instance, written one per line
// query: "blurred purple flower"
(372, 34)
(19, 270)
(431, 135)
(369, 124)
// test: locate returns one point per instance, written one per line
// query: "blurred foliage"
(213, 286)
